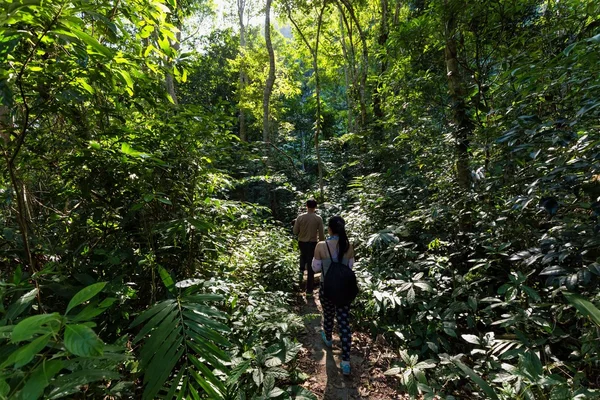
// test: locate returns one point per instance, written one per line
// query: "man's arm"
(321, 231)
(297, 226)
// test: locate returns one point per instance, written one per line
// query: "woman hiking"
(336, 247)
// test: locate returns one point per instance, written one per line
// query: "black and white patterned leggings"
(330, 311)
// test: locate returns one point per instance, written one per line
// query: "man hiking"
(309, 228)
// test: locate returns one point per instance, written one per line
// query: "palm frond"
(182, 348)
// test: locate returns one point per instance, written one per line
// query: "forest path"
(369, 360)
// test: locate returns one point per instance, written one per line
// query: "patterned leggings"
(330, 311)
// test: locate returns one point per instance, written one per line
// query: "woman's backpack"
(340, 285)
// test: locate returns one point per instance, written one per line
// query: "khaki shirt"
(308, 226)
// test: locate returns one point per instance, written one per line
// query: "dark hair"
(338, 227)
(312, 203)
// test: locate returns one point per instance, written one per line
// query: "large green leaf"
(4, 389)
(167, 279)
(35, 325)
(24, 354)
(487, 389)
(85, 294)
(39, 380)
(68, 384)
(83, 341)
(300, 393)
(20, 305)
(584, 306)
(92, 42)
(182, 328)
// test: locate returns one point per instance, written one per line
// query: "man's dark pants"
(307, 252)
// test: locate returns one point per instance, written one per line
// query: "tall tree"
(365, 59)
(382, 56)
(314, 52)
(271, 76)
(462, 125)
(349, 72)
(243, 79)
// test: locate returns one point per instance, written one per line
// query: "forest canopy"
(155, 152)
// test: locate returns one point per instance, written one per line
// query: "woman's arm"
(317, 263)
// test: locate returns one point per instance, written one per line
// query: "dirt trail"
(369, 361)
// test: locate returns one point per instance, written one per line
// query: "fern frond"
(182, 347)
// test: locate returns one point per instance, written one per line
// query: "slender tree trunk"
(382, 40)
(271, 77)
(169, 80)
(347, 73)
(318, 94)
(243, 76)
(314, 52)
(462, 124)
(17, 186)
(365, 62)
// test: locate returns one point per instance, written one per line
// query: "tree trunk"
(243, 76)
(271, 77)
(462, 124)
(382, 40)
(365, 63)
(17, 186)
(347, 75)
(315, 61)
(318, 94)
(169, 80)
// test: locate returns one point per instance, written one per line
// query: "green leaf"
(411, 385)
(85, 294)
(531, 293)
(34, 325)
(92, 42)
(83, 341)
(209, 383)
(425, 364)
(152, 311)
(28, 352)
(20, 305)
(532, 364)
(83, 83)
(236, 373)
(39, 380)
(167, 279)
(595, 39)
(569, 48)
(487, 389)
(471, 338)
(93, 309)
(126, 77)
(410, 295)
(130, 151)
(299, 393)
(14, 6)
(584, 306)
(4, 389)
(68, 384)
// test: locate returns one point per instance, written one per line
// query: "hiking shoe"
(345, 366)
(328, 343)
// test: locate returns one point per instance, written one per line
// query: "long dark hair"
(338, 227)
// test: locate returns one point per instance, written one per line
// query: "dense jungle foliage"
(156, 151)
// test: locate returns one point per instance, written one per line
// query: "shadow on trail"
(338, 386)
(328, 381)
